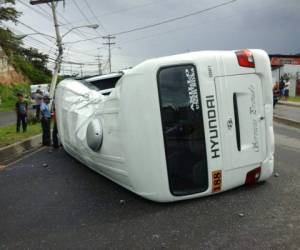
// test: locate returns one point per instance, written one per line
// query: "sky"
(272, 25)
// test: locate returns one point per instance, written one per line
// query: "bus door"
(241, 112)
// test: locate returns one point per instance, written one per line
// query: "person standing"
(276, 93)
(286, 90)
(281, 87)
(45, 121)
(21, 111)
(38, 100)
(55, 131)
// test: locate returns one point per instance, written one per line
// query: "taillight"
(245, 58)
(253, 176)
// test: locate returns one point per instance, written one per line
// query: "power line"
(50, 17)
(33, 29)
(85, 17)
(93, 14)
(34, 41)
(175, 18)
(42, 13)
(78, 33)
(127, 9)
(162, 22)
(34, 10)
(80, 11)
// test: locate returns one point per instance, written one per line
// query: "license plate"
(216, 181)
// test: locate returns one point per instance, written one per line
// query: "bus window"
(183, 130)
(107, 83)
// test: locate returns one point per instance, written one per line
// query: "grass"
(8, 96)
(294, 99)
(8, 134)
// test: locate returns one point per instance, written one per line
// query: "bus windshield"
(183, 130)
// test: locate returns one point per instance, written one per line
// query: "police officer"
(45, 121)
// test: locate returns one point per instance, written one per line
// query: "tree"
(8, 12)
(8, 42)
(29, 61)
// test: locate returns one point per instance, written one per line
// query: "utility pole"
(81, 65)
(58, 60)
(109, 43)
(99, 64)
(59, 56)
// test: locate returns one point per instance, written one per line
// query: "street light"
(90, 26)
(20, 37)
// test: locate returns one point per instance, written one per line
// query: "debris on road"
(155, 236)
(276, 175)
(122, 202)
(241, 214)
(163, 245)
(45, 165)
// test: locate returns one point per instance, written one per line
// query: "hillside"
(8, 74)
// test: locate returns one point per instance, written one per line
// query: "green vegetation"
(8, 95)
(8, 134)
(8, 12)
(36, 74)
(29, 61)
(294, 99)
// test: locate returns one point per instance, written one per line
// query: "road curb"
(291, 104)
(14, 151)
(286, 121)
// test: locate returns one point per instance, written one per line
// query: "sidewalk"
(293, 104)
(287, 114)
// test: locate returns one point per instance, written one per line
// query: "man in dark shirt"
(21, 111)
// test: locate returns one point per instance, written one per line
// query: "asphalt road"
(7, 118)
(68, 206)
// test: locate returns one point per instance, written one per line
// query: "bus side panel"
(263, 70)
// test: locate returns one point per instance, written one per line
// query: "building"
(287, 65)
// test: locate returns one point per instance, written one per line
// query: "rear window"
(103, 84)
(183, 130)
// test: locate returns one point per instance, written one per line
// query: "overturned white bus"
(176, 127)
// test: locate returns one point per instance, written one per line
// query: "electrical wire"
(174, 19)
(127, 9)
(34, 30)
(35, 10)
(163, 22)
(48, 16)
(93, 14)
(83, 14)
